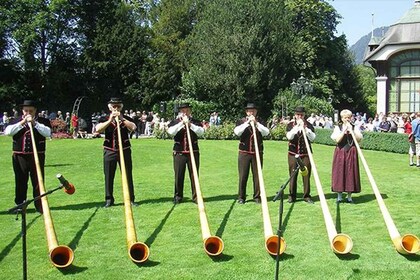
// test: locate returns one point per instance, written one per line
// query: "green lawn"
(97, 235)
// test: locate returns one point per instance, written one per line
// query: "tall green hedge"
(378, 141)
(387, 142)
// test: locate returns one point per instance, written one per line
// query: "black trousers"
(111, 159)
(24, 166)
(245, 161)
(293, 180)
(181, 161)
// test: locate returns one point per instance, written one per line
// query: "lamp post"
(330, 100)
(301, 87)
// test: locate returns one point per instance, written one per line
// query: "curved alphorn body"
(61, 256)
(407, 244)
(340, 243)
(213, 245)
(137, 251)
(271, 240)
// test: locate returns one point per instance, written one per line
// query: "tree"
(239, 51)
(322, 56)
(172, 22)
(116, 54)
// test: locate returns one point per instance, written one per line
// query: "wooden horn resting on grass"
(213, 245)
(61, 256)
(137, 251)
(340, 243)
(407, 244)
(271, 240)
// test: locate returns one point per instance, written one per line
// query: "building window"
(404, 87)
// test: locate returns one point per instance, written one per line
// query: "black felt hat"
(300, 109)
(28, 103)
(251, 105)
(184, 105)
(115, 100)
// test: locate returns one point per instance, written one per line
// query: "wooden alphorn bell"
(61, 256)
(137, 251)
(340, 243)
(271, 240)
(408, 243)
(213, 245)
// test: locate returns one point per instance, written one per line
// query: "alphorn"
(61, 256)
(271, 240)
(213, 245)
(340, 243)
(137, 251)
(407, 244)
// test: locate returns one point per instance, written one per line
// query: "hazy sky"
(357, 15)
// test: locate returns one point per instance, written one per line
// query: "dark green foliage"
(221, 53)
(278, 133)
(221, 132)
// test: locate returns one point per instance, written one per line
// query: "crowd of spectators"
(148, 122)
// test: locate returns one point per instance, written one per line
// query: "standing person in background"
(246, 155)
(6, 119)
(297, 146)
(181, 150)
(345, 166)
(74, 124)
(68, 122)
(108, 124)
(23, 153)
(416, 134)
(408, 129)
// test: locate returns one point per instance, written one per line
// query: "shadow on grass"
(357, 199)
(148, 263)
(412, 258)
(283, 257)
(222, 226)
(12, 244)
(221, 197)
(73, 244)
(58, 164)
(338, 219)
(221, 258)
(72, 269)
(348, 257)
(80, 206)
(159, 228)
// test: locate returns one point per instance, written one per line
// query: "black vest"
(111, 135)
(297, 144)
(246, 141)
(22, 142)
(180, 139)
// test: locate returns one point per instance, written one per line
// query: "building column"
(381, 94)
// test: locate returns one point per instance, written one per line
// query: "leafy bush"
(278, 133)
(387, 142)
(221, 132)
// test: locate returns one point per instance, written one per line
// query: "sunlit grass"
(97, 235)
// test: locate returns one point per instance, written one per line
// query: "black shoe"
(257, 200)
(241, 201)
(177, 200)
(108, 204)
(308, 200)
(349, 200)
(339, 201)
(412, 164)
(291, 200)
(134, 204)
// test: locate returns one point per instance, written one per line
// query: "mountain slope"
(359, 48)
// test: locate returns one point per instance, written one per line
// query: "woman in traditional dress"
(345, 166)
